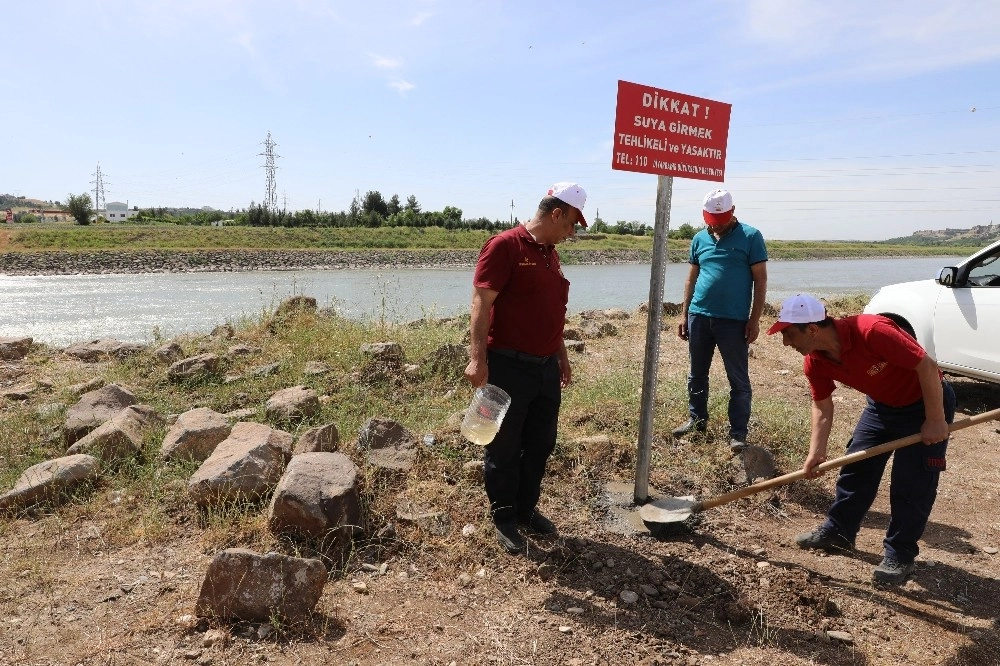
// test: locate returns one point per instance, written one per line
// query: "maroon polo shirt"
(529, 312)
(876, 358)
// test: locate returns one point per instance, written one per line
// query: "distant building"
(116, 211)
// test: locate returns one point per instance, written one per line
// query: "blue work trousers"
(514, 462)
(912, 484)
(729, 335)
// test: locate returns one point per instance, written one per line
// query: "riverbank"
(226, 261)
(101, 262)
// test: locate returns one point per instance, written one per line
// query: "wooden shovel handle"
(838, 462)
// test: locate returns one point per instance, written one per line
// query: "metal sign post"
(654, 322)
(668, 134)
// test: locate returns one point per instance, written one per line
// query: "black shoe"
(539, 524)
(509, 537)
(824, 538)
(891, 571)
(737, 445)
(688, 427)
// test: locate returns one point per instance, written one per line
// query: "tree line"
(371, 210)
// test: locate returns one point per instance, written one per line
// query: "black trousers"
(515, 459)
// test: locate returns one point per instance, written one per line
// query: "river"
(62, 309)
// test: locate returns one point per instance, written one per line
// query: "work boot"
(509, 537)
(891, 571)
(737, 445)
(688, 427)
(824, 538)
(538, 524)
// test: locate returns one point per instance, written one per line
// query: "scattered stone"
(564, 629)
(121, 436)
(292, 404)
(169, 352)
(474, 470)
(360, 587)
(990, 550)
(842, 636)
(313, 368)
(245, 585)
(86, 387)
(321, 439)
(318, 496)
(94, 408)
(390, 445)
(214, 637)
(14, 348)
(763, 564)
(577, 346)
(432, 521)
(628, 597)
(295, 305)
(468, 530)
(49, 481)
(264, 370)
(103, 349)
(574, 610)
(649, 590)
(546, 571)
(195, 434)
(245, 466)
(194, 366)
(224, 331)
(387, 353)
(464, 580)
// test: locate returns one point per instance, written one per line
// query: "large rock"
(194, 366)
(390, 445)
(120, 436)
(169, 352)
(245, 466)
(13, 349)
(103, 349)
(195, 434)
(93, 409)
(321, 439)
(449, 359)
(292, 404)
(49, 481)
(244, 585)
(317, 497)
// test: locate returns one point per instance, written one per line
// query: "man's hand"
(752, 330)
(934, 431)
(682, 330)
(809, 466)
(477, 372)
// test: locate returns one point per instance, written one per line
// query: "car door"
(967, 316)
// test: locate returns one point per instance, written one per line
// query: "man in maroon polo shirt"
(518, 312)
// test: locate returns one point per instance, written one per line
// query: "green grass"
(72, 238)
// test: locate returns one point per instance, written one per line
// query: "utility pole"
(98, 183)
(271, 195)
(512, 212)
(284, 202)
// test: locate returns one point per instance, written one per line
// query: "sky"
(850, 120)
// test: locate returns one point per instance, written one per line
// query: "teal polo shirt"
(724, 287)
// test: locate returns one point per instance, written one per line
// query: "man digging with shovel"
(905, 395)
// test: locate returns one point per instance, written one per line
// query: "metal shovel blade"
(668, 510)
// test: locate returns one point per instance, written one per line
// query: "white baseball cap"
(572, 194)
(798, 309)
(717, 209)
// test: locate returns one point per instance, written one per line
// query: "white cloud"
(383, 62)
(401, 86)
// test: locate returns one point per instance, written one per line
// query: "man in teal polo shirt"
(723, 300)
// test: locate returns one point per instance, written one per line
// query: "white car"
(955, 317)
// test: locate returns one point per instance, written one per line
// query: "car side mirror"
(947, 276)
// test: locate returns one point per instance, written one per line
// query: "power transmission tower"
(284, 202)
(512, 212)
(271, 196)
(98, 183)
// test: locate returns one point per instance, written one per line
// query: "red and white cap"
(572, 194)
(717, 209)
(798, 309)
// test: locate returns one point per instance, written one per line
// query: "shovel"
(668, 510)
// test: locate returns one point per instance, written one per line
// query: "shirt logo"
(527, 262)
(877, 368)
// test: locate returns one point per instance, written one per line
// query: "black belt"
(521, 356)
